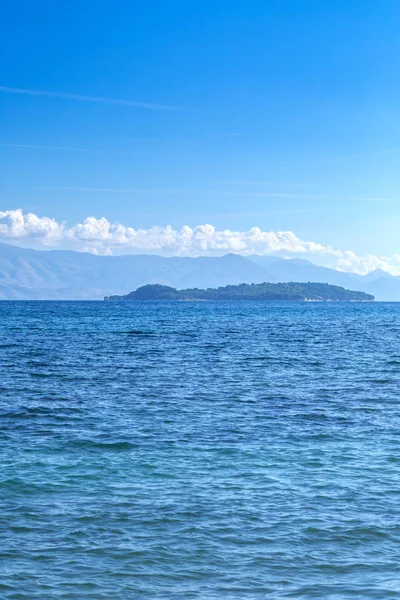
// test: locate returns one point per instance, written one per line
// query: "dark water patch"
(37, 363)
(41, 411)
(42, 375)
(136, 332)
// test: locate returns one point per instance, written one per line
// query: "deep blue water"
(199, 450)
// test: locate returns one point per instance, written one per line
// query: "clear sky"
(282, 115)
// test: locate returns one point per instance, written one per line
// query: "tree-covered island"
(298, 292)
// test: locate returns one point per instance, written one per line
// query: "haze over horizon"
(197, 129)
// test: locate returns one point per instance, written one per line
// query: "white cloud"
(16, 224)
(99, 236)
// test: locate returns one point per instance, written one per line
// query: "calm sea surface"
(199, 450)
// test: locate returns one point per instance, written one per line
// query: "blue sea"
(199, 450)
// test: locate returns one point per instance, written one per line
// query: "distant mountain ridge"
(27, 274)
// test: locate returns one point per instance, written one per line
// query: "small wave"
(111, 446)
(40, 411)
(42, 375)
(136, 332)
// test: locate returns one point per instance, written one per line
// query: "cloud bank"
(99, 236)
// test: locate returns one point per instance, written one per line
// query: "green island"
(297, 292)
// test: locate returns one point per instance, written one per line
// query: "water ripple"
(199, 450)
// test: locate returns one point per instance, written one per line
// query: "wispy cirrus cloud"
(214, 192)
(100, 236)
(68, 188)
(178, 191)
(83, 98)
(38, 147)
(271, 195)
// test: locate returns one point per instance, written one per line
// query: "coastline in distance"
(292, 291)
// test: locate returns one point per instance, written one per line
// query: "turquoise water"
(199, 450)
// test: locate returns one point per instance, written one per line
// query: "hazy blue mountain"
(384, 288)
(374, 275)
(298, 269)
(59, 274)
(382, 285)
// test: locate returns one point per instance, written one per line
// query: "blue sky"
(281, 115)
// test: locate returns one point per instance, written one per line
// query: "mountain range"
(27, 274)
